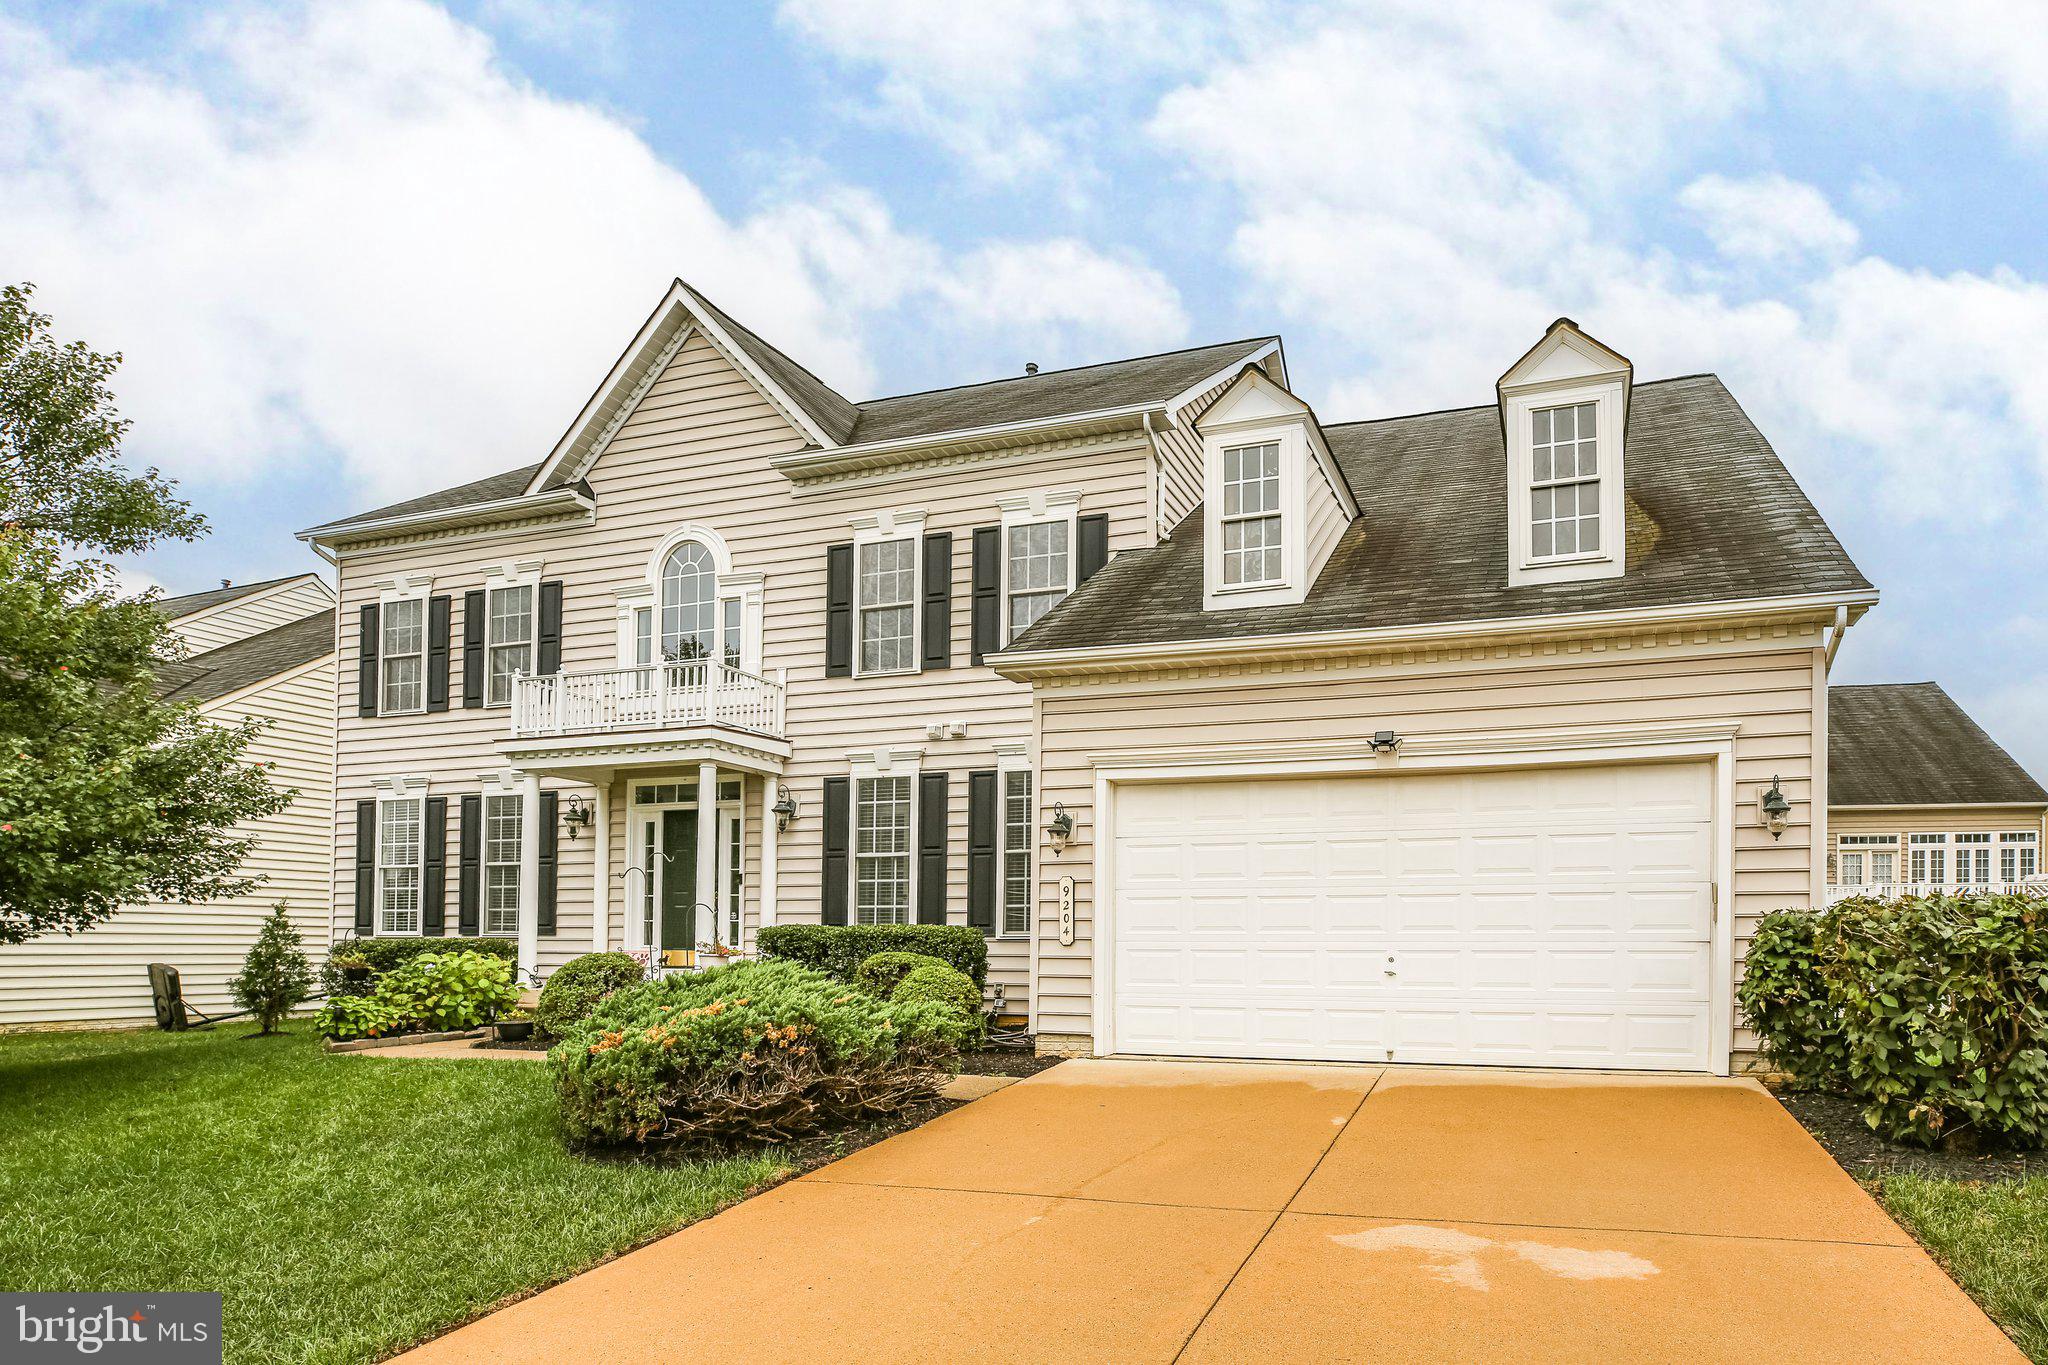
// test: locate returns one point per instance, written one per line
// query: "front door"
(678, 856)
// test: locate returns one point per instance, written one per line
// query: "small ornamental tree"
(276, 977)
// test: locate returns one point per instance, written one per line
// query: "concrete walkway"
(1218, 1212)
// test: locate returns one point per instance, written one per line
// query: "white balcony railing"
(1892, 890)
(657, 696)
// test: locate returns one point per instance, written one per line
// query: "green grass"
(1992, 1236)
(344, 1206)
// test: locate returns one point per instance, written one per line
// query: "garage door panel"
(1547, 917)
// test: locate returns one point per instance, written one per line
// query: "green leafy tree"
(276, 977)
(108, 794)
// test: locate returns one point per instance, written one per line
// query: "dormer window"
(1564, 410)
(1252, 536)
(1564, 511)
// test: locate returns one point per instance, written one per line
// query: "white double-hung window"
(401, 849)
(509, 629)
(401, 656)
(1039, 548)
(1017, 840)
(502, 821)
(2019, 856)
(881, 849)
(1251, 520)
(885, 596)
(1564, 480)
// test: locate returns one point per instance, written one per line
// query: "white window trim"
(392, 791)
(1013, 758)
(872, 764)
(1034, 509)
(524, 573)
(405, 588)
(485, 864)
(1291, 436)
(874, 529)
(1608, 395)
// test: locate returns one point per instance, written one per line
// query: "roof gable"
(192, 603)
(1564, 355)
(1252, 397)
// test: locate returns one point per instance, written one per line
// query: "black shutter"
(366, 663)
(838, 826)
(437, 652)
(1093, 551)
(469, 874)
(987, 591)
(938, 601)
(434, 882)
(366, 868)
(982, 881)
(549, 808)
(472, 649)
(548, 651)
(931, 848)
(839, 611)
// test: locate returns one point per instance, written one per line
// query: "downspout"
(1841, 628)
(1155, 478)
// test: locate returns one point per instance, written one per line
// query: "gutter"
(469, 514)
(1036, 663)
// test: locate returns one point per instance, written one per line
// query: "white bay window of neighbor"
(402, 656)
(1251, 515)
(881, 861)
(508, 642)
(887, 587)
(1564, 483)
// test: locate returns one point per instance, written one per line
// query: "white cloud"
(347, 228)
(1768, 218)
(583, 29)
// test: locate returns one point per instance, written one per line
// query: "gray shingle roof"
(236, 665)
(1909, 744)
(1714, 516)
(1053, 393)
(192, 603)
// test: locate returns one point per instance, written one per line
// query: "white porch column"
(601, 872)
(766, 825)
(707, 847)
(529, 876)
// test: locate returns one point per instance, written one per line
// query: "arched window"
(689, 603)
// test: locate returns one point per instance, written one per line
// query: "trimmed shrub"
(276, 978)
(431, 993)
(576, 987)
(1933, 1010)
(354, 964)
(879, 975)
(839, 949)
(755, 1052)
(936, 983)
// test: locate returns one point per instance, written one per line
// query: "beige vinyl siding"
(1326, 520)
(1770, 692)
(696, 450)
(100, 976)
(1933, 820)
(252, 615)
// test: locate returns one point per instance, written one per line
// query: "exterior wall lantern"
(1060, 828)
(784, 807)
(1775, 809)
(576, 815)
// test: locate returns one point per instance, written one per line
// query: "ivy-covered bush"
(1933, 1010)
(839, 949)
(755, 1052)
(576, 987)
(354, 964)
(936, 983)
(430, 993)
(880, 974)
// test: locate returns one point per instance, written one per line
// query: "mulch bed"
(1003, 1061)
(1836, 1122)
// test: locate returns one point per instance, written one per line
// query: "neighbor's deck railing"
(1892, 890)
(654, 696)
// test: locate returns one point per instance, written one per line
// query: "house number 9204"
(1066, 912)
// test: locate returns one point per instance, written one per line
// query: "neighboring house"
(1238, 734)
(1920, 799)
(262, 650)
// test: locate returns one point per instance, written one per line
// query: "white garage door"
(1550, 917)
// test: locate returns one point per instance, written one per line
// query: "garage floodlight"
(1385, 742)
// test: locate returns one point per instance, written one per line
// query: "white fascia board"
(1171, 653)
(617, 375)
(738, 355)
(335, 534)
(1203, 385)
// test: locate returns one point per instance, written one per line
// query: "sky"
(356, 250)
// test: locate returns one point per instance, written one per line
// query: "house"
(1481, 735)
(1920, 799)
(262, 650)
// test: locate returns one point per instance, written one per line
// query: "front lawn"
(1992, 1236)
(344, 1206)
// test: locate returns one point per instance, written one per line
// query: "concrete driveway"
(1129, 1210)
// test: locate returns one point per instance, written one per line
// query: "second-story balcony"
(692, 695)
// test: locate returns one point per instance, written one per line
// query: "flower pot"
(513, 1030)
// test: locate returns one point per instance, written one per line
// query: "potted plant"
(513, 1026)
